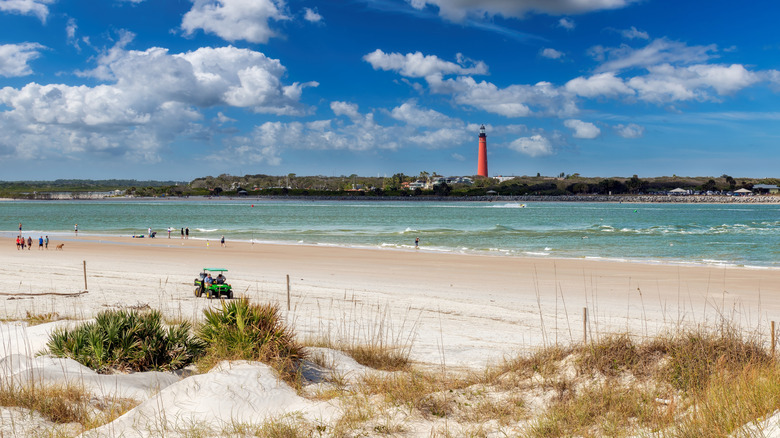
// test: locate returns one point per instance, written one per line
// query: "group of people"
(219, 280)
(185, 233)
(21, 243)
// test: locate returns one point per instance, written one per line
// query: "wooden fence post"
(584, 325)
(288, 292)
(85, 275)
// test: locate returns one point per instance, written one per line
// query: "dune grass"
(64, 404)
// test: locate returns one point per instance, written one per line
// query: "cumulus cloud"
(234, 20)
(461, 9)
(566, 23)
(15, 58)
(153, 97)
(361, 133)
(345, 109)
(519, 100)
(634, 33)
(666, 83)
(417, 65)
(534, 146)
(551, 53)
(631, 130)
(513, 101)
(603, 84)
(582, 129)
(38, 8)
(311, 15)
(411, 114)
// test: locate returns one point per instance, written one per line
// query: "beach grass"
(64, 404)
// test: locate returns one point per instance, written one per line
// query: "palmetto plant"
(240, 330)
(127, 340)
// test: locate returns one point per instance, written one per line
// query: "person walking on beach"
(76, 228)
(187, 232)
(182, 233)
(40, 243)
(24, 242)
(222, 241)
(29, 243)
(20, 228)
(18, 243)
(169, 232)
(417, 243)
(46, 242)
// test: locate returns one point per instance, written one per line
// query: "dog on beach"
(59, 247)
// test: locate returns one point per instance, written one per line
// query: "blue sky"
(184, 88)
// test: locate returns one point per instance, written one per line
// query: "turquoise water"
(679, 233)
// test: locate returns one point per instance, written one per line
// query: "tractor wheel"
(198, 292)
(230, 294)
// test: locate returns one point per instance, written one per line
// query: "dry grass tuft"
(606, 409)
(732, 400)
(696, 355)
(64, 404)
(380, 357)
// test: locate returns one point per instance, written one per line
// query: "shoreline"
(613, 199)
(66, 236)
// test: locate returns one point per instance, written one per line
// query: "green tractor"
(213, 287)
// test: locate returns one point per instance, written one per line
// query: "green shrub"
(240, 330)
(127, 340)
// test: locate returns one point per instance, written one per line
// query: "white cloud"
(345, 109)
(70, 33)
(534, 146)
(234, 20)
(631, 130)
(634, 33)
(311, 15)
(411, 114)
(657, 52)
(152, 98)
(582, 129)
(417, 65)
(461, 9)
(27, 7)
(551, 53)
(361, 133)
(566, 23)
(15, 58)
(222, 118)
(512, 101)
(458, 157)
(603, 84)
(666, 83)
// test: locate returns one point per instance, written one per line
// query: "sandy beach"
(460, 310)
(452, 312)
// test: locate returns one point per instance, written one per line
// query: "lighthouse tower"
(482, 160)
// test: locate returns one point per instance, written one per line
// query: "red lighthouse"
(482, 160)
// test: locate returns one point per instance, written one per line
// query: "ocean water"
(741, 235)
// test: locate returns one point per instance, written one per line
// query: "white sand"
(457, 310)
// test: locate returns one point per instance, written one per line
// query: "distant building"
(766, 189)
